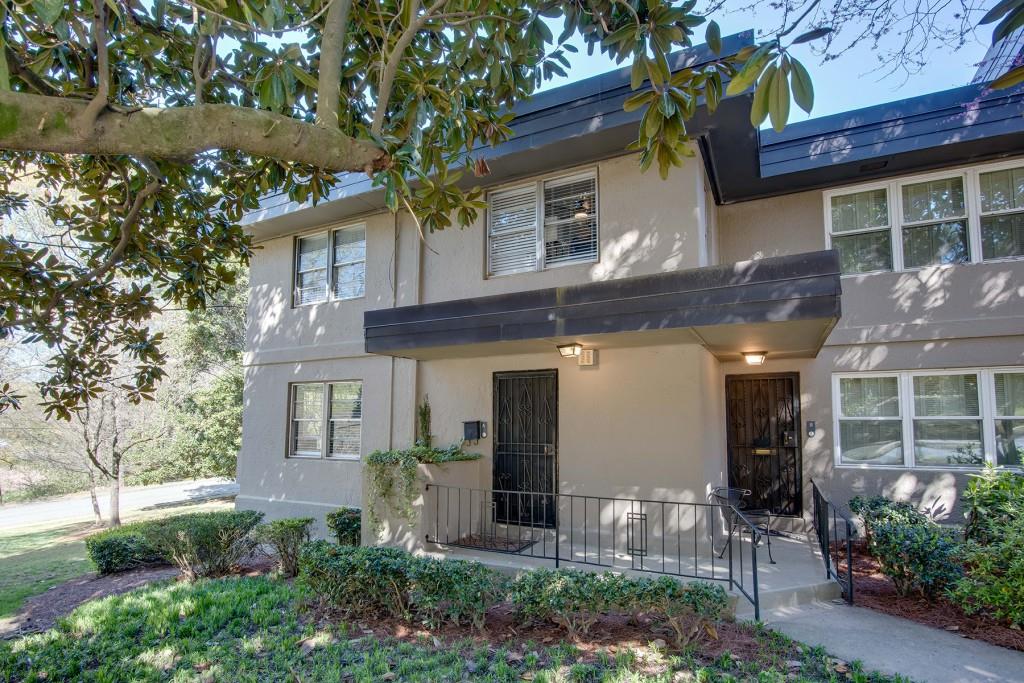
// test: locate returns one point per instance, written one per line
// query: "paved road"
(77, 507)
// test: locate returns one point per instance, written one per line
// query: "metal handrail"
(648, 535)
(827, 521)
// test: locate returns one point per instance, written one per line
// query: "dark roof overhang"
(567, 126)
(784, 305)
(953, 127)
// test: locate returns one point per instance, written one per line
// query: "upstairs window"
(330, 265)
(541, 225)
(1002, 213)
(964, 216)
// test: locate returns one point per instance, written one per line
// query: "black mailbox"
(474, 430)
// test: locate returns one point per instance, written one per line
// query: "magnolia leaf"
(778, 101)
(637, 100)
(5, 77)
(1010, 23)
(813, 34)
(759, 107)
(638, 73)
(49, 11)
(713, 37)
(999, 10)
(750, 71)
(803, 89)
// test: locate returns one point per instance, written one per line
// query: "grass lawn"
(32, 559)
(257, 629)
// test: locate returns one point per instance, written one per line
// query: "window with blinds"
(930, 418)
(570, 220)
(345, 419)
(307, 405)
(334, 409)
(543, 224)
(350, 263)
(330, 266)
(512, 231)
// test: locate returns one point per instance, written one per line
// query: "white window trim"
(894, 201)
(331, 265)
(325, 421)
(538, 190)
(905, 381)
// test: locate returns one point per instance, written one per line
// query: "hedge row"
(371, 581)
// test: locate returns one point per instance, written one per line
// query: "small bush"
(993, 499)
(287, 537)
(205, 543)
(362, 581)
(691, 609)
(994, 582)
(571, 598)
(346, 523)
(918, 558)
(123, 548)
(455, 591)
(879, 509)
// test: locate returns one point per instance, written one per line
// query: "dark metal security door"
(763, 438)
(525, 446)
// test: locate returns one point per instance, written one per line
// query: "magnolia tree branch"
(332, 49)
(102, 96)
(387, 76)
(36, 123)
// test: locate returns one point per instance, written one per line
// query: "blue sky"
(840, 85)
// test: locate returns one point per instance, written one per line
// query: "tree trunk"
(97, 516)
(115, 497)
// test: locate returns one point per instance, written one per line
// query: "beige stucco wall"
(945, 317)
(646, 225)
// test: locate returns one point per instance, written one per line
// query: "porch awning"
(785, 305)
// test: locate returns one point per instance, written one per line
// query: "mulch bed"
(876, 591)
(611, 634)
(42, 611)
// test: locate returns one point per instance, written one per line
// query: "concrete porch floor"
(796, 578)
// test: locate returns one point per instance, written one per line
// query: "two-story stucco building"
(842, 302)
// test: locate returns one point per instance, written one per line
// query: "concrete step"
(823, 591)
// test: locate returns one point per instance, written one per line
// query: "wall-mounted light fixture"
(754, 357)
(570, 350)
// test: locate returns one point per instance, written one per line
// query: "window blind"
(570, 220)
(512, 231)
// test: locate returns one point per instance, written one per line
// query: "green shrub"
(346, 523)
(571, 598)
(205, 543)
(360, 580)
(691, 609)
(123, 548)
(993, 499)
(918, 558)
(287, 537)
(994, 582)
(879, 509)
(455, 591)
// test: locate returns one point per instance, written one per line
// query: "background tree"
(167, 120)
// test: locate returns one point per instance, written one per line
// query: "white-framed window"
(956, 216)
(947, 419)
(331, 408)
(330, 265)
(543, 224)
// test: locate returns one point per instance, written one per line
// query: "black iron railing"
(689, 540)
(835, 533)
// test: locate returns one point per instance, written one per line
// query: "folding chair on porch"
(732, 499)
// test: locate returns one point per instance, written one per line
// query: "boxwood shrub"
(993, 499)
(123, 548)
(994, 579)
(691, 609)
(879, 509)
(286, 537)
(205, 543)
(455, 591)
(571, 598)
(346, 523)
(918, 558)
(359, 580)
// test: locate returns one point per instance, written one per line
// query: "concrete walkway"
(893, 645)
